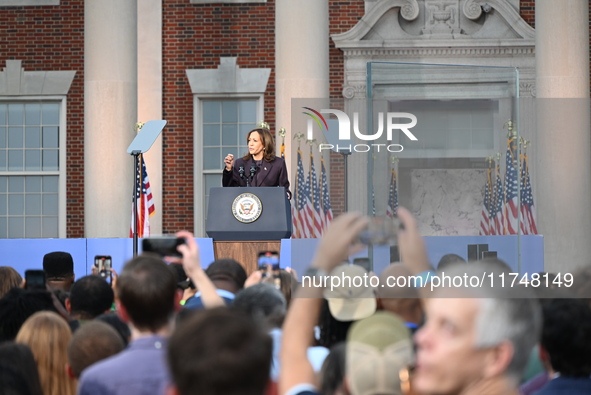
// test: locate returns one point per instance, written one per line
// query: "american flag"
(486, 206)
(317, 215)
(301, 219)
(145, 201)
(528, 212)
(496, 217)
(325, 197)
(393, 196)
(511, 210)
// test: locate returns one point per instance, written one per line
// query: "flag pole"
(136, 161)
(140, 144)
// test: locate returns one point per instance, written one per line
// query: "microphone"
(253, 171)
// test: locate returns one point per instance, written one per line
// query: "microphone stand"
(253, 172)
(241, 173)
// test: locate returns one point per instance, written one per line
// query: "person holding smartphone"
(259, 167)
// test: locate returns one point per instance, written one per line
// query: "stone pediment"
(392, 24)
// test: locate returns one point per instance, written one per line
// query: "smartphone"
(163, 246)
(268, 262)
(104, 263)
(380, 231)
(35, 279)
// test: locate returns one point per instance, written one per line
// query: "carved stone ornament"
(351, 91)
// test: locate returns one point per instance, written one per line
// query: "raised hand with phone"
(189, 250)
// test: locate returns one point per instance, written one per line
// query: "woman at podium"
(259, 167)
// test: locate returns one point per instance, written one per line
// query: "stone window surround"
(16, 84)
(228, 81)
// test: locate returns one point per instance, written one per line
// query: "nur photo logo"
(389, 122)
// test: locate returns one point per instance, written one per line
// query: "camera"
(380, 231)
(103, 264)
(35, 279)
(163, 246)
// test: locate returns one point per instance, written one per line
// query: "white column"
(301, 64)
(110, 113)
(149, 49)
(563, 142)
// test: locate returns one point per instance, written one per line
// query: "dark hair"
(566, 335)
(18, 305)
(181, 277)
(116, 323)
(220, 352)
(18, 370)
(90, 297)
(264, 303)
(268, 144)
(9, 278)
(581, 283)
(58, 264)
(147, 288)
(332, 331)
(61, 295)
(227, 270)
(333, 369)
(93, 342)
(287, 281)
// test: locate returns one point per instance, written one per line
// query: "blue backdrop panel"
(298, 253)
(23, 254)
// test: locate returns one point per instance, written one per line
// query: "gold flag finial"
(138, 125)
(299, 137)
(263, 125)
(510, 125)
(282, 132)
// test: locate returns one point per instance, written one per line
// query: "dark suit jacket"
(566, 386)
(269, 174)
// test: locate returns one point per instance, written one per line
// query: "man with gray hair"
(476, 339)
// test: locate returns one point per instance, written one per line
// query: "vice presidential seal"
(247, 208)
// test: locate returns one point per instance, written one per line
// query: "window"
(30, 169)
(228, 102)
(226, 124)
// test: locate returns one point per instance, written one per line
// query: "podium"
(244, 221)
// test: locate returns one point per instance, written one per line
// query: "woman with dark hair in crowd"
(18, 372)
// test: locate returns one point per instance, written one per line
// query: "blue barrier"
(23, 254)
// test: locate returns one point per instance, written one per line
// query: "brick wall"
(527, 10)
(52, 38)
(195, 37)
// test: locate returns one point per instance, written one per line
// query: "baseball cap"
(350, 300)
(378, 347)
(58, 264)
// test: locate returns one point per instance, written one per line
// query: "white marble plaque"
(447, 202)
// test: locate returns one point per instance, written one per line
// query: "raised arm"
(339, 241)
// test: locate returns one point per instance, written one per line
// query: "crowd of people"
(167, 326)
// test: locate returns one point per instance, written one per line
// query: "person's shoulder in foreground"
(140, 369)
